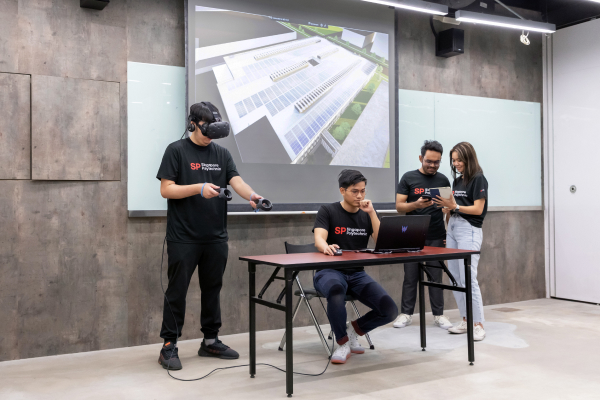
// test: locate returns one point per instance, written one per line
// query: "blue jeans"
(462, 235)
(334, 285)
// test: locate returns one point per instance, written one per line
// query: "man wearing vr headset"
(191, 173)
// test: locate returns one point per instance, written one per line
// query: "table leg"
(422, 307)
(289, 325)
(469, 297)
(251, 294)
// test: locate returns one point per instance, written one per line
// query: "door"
(576, 119)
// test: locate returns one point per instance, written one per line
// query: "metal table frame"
(291, 270)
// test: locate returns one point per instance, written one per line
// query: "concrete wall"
(78, 275)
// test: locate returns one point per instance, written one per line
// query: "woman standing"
(465, 212)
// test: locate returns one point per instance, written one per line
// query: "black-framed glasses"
(433, 163)
(356, 192)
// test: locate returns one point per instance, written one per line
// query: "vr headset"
(215, 129)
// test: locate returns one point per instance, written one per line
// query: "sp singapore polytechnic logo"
(205, 167)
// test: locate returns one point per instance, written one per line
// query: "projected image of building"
(281, 99)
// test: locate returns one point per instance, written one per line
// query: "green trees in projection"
(341, 131)
(356, 109)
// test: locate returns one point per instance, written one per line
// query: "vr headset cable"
(233, 366)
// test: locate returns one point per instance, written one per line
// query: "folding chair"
(307, 293)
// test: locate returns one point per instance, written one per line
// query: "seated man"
(347, 225)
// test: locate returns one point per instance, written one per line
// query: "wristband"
(201, 190)
(253, 193)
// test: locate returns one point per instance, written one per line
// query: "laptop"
(401, 234)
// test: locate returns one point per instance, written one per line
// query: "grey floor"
(541, 349)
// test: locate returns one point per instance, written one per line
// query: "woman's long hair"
(466, 154)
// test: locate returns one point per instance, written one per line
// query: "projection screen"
(309, 90)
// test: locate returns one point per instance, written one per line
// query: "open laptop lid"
(402, 232)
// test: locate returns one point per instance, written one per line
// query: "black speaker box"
(450, 42)
(94, 4)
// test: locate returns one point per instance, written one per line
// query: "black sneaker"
(217, 349)
(169, 357)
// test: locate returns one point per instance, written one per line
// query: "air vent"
(285, 72)
(311, 98)
(327, 53)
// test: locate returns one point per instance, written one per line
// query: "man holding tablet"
(413, 198)
(347, 225)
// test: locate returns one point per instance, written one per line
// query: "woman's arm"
(476, 209)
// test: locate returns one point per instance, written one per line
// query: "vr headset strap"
(214, 110)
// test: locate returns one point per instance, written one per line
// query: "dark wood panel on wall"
(9, 28)
(76, 129)
(63, 279)
(60, 38)
(15, 126)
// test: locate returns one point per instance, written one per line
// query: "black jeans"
(411, 283)
(334, 285)
(211, 260)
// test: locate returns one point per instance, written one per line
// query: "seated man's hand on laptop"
(330, 250)
(366, 206)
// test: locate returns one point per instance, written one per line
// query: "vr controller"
(263, 204)
(225, 194)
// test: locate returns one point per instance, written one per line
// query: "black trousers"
(411, 283)
(211, 260)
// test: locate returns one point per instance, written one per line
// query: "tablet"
(444, 192)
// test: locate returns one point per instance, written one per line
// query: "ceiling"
(562, 13)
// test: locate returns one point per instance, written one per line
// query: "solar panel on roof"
(256, 100)
(278, 104)
(284, 100)
(276, 90)
(270, 93)
(249, 105)
(272, 109)
(263, 97)
(241, 110)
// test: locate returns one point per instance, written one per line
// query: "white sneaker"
(355, 346)
(460, 328)
(403, 320)
(341, 354)
(478, 333)
(442, 321)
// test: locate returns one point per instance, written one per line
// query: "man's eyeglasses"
(356, 192)
(433, 163)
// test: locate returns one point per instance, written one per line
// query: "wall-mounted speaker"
(450, 43)
(94, 4)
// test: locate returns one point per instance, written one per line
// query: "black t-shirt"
(466, 195)
(415, 184)
(350, 231)
(196, 219)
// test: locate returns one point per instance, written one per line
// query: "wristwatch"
(457, 208)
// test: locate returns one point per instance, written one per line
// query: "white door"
(576, 118)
